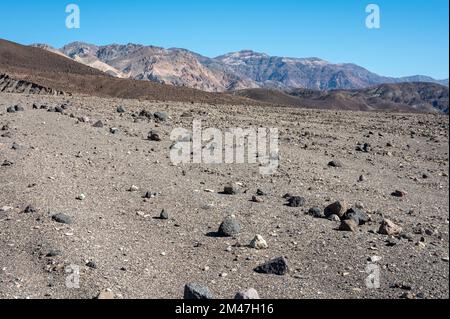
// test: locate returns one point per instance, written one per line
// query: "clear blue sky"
(413, 38)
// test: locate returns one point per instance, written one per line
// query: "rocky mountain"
(412, 97)
(234, 71)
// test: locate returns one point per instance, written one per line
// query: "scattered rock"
(91, 264)
(387, 227)
(296, 201)
(81, 197)
(105, 295)
(334, 218)
(133, 188)
(154, 136)
(114, 130)
(357, 215)
(316, 212)
(53, 253)
(260, 193)
(98, 124)
(255, 199)
(277, 266)
(362, 178)
(231, 189)
(7, 163)
(160, 116)
(399, 193)
(62, 218)
(337, 208)
(375, 259)
(30, 209)
(349, 225)
(120, 109)
(230, 227)
(193, 291)
(247, 294)
(164, 215)
(258, 243)
(335, 163)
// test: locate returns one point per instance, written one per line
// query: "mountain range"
(45, 70)
(230, 72)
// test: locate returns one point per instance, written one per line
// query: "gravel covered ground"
(55, 163)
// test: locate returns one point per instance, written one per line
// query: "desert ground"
(49, 159)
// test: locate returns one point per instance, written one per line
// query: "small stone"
(62, 218)
(7, 163)
(11, 109)
(195, 291)
(296, 201)
(258, 243)
(154, 136)
(277, 266)
(53, 253)
(349, 225)
(362, 178)
(133, 188)
(337, 208)
(105, 294)
(114, 130)
(30, 209)
(334, 218)
(255, 199)
(98, 124)
(231, 189)
(164, 215)
(91, 264)
(260, 193)
(357, 215)
(120, 109)
(445, 259)
(408, 295)
(399, 193)
(59, 109)
(247, 294)
(81, 197)
(335, 163)
(375, 259)
(316, 212)
(160, 116)
(229, 227)
(387, 227)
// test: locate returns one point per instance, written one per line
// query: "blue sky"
(413, 38)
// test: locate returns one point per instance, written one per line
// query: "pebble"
(98, 124)
(258, 243)
(81, 197)
(296, 201)
(105, 294)
(30, 209)
(316, 212)
(334, 218)
(399, 193)
(337, 208)
(154, 136)
(120, 109)
(357, 215)
(247, 294)
(335, 163)
(230, 227)
(133, 188)
(387, 227)
(231, 189)
(349, 225)
(277, 266)
(114, 130)
(164, 215)
(375, 259)
(62, 218)
(160, 116)
(194, 291)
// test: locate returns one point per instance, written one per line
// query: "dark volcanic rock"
(160, 116)
(316, 212)
(296, 201)
(337, 208)
(230, 227)
(154, 136)
(335, 163)
(357, 215)
(277, 266)
(62, 218)
(98, 124)
(195, 291)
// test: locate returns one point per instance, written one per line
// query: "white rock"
(259, 243)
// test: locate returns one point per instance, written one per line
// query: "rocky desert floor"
(59, 163)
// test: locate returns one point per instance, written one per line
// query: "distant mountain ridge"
(233, 71)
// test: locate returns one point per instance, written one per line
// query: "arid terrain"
(59, 163)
